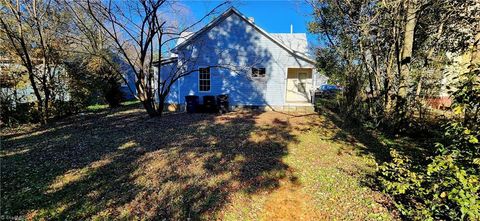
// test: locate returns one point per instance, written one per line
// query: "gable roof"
(295, 44)
(295, 41)
(183, 37)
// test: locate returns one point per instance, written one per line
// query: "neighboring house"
(451, 75)
(127, 86)
(232, 55)
(21, 91)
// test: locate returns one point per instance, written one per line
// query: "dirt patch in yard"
(289, 202)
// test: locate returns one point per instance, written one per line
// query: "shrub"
(113, 94)
(13, 113)
(332, 104)
(448, 187)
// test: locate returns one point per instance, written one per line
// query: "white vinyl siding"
(234, 43)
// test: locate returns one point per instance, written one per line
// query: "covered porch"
(300, 85)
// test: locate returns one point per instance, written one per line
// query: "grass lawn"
(238, 166)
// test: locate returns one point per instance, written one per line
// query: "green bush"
(332, 104)
(65, 108)
(113, 94)
(448, 187)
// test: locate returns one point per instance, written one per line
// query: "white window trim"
(259, 77)
(210, 74)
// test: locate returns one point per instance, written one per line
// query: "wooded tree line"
(32, 34)
(391, 55)
(95, 43)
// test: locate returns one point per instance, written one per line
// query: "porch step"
(292, 108)
(301, 109)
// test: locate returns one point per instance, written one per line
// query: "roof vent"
(251, 19)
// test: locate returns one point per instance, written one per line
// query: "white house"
(232, 55)
(23, 92)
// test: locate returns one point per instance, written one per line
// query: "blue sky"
(272, 16)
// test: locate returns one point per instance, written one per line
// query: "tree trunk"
(147, 104)
(161, 105)
(46, 92)
(406, 54)
(419, 87)
(22, 51)
(388, 81)
(406, 59)
(475, 58)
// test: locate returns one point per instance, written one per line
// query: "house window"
(204, 79)
(258, 72)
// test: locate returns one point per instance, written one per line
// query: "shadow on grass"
(120, 163)
(362, 141)
(377, 144)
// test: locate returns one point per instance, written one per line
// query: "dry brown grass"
(241, 165)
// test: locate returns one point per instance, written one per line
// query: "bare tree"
(94, 55)
(140, 30)
(33, 31)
